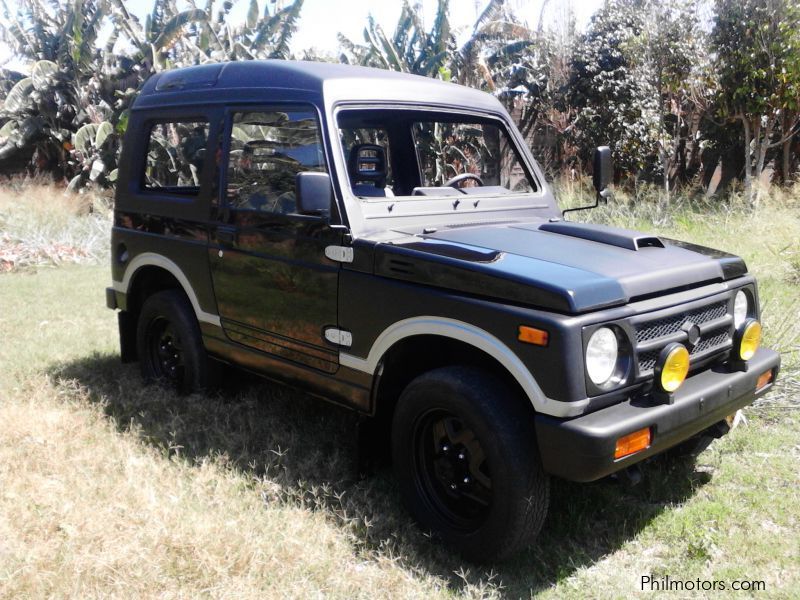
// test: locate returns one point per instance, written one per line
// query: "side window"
(267, 150)
(175, 155)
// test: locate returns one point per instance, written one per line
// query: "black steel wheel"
(466, 459)
(452, 472)
(169, 343)
(165, 350)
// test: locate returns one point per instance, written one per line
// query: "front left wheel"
(169, 343)
(466, 459)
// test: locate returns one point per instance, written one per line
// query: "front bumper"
(582, 449)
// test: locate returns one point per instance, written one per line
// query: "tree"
(71, 111)
(613, 99)
(757, 43)
(41, 112)
(670, 51)
(436, 53)
(411, 49)
(533, 81)
(511, 61)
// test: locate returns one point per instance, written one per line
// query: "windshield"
(397, 153)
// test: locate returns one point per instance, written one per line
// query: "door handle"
(226, 236)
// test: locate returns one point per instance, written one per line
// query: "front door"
(276, 291)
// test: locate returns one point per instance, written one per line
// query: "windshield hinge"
(342, 254)
(339, 337)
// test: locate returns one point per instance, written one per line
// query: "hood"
(564, 266)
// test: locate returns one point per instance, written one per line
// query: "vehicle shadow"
(298, 448)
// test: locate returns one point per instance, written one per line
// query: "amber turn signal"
(532, 335)
(764, 380)
(632, 443)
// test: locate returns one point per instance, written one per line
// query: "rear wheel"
(466, 459)
(169, 343)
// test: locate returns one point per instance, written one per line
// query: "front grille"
(669, 328)
(647, 362)
(722, 338)
(672, 324)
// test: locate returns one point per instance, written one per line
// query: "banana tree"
(76, 81)
(65, 87)
(171, 38)
(435, 53)
(411, 49)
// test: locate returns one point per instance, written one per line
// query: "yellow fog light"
(749, 338)
(672, 367)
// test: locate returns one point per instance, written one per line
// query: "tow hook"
(718, 429)
(631, 476)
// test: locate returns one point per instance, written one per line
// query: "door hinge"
(339, 337)
(343, 254)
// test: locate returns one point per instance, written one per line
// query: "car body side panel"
(370, 305)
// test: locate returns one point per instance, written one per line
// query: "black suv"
(388, 243)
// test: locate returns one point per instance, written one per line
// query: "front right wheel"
(465, 455)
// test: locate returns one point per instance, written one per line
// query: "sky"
(321, 20)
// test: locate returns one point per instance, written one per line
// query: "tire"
(466, 459)
(169, 343)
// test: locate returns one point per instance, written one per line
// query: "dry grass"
(88, 512)
(41, 225)
(108, 488)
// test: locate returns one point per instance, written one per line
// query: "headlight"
(602, 353)
(741, 308)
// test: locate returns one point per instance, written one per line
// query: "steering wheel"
(454, 181)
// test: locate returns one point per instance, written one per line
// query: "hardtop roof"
(330, 82)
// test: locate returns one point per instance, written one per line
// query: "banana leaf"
(17, 99)
(43, 74)
(103, 131)
(83, 139)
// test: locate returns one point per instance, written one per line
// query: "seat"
(366, 166)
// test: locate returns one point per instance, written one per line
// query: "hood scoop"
(622, 238)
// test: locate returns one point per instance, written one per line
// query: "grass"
(40, 226)
(111, 488)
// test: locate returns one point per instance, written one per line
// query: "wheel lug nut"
(453, 486)
(445, 448)
(461, 456)
(466, 480)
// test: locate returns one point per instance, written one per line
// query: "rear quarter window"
(176, 153)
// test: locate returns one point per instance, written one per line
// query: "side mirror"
(603, 169)
(603, 175)
(314, 193)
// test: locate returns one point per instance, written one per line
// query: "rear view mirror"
(314, 193)
(603, 168)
